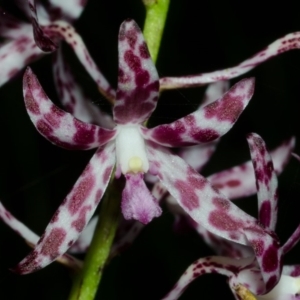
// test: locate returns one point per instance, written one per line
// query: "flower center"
(135, 164)
(131, 150)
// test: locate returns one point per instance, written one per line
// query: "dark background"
(199, 37)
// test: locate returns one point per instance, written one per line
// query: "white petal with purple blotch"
(288, 42)
(74, 213)
(206, 124)
(68, 9)
(59, 127)
(197, 197)
(266, 181)
(239, 181)
(138, 85)
(31, 238)
(16, 54)
(64, 31)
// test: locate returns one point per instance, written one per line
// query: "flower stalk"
(156, 15)
(86, 282)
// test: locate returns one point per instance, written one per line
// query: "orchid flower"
(235, 182)
(137, 150)
(196, 156)
(243, 270)
(27, 42)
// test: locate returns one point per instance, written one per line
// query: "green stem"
(86, 283)
(156, 14)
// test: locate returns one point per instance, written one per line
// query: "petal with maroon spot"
(266, 181)
(17, 226)
(292, 241)
(239, 181)
(206, 124)
(268, 255)
(64, 31)
(211, 264)
(15, 55)
(197, 197)
(31, 238)
(68, 9)
(138, 85)
(83, 242)
(288, 42)
(74, 213)
(42, 40)
(57, 126)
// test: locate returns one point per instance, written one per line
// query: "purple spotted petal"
(268, 255)
(64, 31)
(72, 97)
(59, 127)
(43, 41)
(206, 124)
(214, 91)
(197, 197)
(266, 181)
(31, 238)
(83, 242)
(211, 264)
(138, 85)
(17, 226)
(239, 181)
(292, 241)
(197, 156)
(67, 10)
(74, 213)
(16, 54)
(137, 202)
(288, 42)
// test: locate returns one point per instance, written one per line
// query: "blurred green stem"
(156, 14)
(86, 282)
